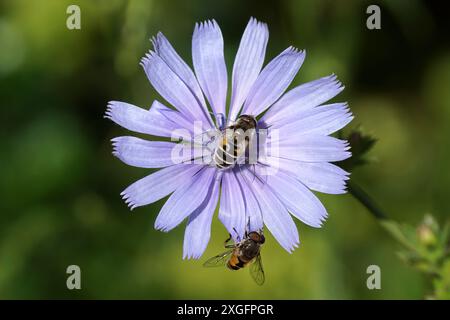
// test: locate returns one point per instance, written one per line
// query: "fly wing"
(257, 271)
(219, 260)
(207, 138)
(201, 146)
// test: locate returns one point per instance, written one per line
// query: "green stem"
(366, 200)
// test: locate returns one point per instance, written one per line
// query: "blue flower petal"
(185, 200)
(318, 176)
(273, 81)
(209, 64)
(248, 63)
(275, 215)
(158, 184)
(232, 205)
(298, 199)
(165, 50)
(301, 98)
(308, 148)
(198, 228)
(173, 89)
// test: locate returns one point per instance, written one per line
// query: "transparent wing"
(207, 138)
(257, 271)
(219, 260)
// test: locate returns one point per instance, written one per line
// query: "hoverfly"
(241, 254)
(234, 142)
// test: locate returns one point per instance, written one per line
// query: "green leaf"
(442, 283)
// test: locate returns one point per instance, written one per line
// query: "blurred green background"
(60, 184)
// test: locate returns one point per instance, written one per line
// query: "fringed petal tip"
(320, 221)
(292, 248)
(111, 109)
(255, 23)
(115, 151)
(210, 23)
(345, 182)
(116, 144)
(192, 252)
(129, 202)
(157, 41)
(295, 51)
(332, 79)
(344, 105)
(345, 145)
(298, 54)
(128, 199)
(160, 227)
(330, 82)
(147, 59)
(191, 255)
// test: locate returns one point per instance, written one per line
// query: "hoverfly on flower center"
(236, 143)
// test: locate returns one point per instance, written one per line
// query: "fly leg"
(225, 244)
(248, 228)
(238, 238)
(220, 120)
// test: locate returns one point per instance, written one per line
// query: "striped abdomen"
(228, 151)
(234, 142)
(237, 262)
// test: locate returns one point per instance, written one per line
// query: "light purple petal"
(309, 148)
(151, 154)
(247, 64)
(275, 215)
(232, 206)
(253, 214)
(273, 81)
(318, 176)
(172, 88)
(185, 200)
(297, 198)
(165, 50)
(301, 98)
(323, 120)
(173, 121)
(323, 177)
(209, 64)
(198, 228)
(139, 120)
(158, 184)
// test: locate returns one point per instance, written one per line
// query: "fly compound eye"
(262, 239)
(255, 236)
